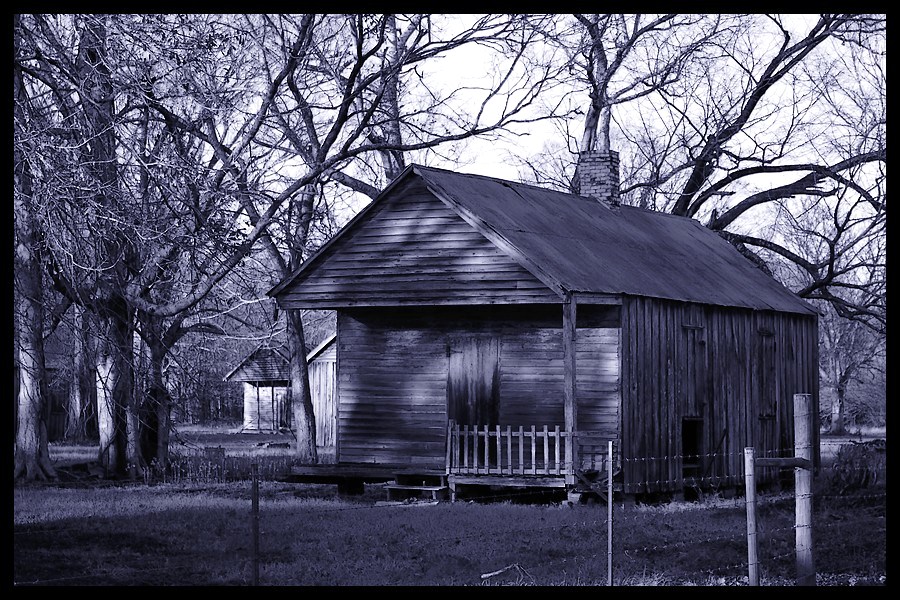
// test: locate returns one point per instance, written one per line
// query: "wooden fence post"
(570, 408)
(806, 571)
(750, 494)
(609, 514)
(802, 462)
(254, 522)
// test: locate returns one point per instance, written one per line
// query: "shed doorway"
(692, 447)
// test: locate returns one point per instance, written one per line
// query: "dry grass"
(201, 534)
(198, 532)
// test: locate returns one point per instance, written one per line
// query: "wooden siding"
(413, 250)
(264, 405)
(394, 369)
(733, 370)
(392, 387)
(322, 382)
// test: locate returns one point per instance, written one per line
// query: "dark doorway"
(691, 447)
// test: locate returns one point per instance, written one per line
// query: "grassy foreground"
(202, 535)
(188, 534)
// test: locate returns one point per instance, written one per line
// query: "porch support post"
(571, 403)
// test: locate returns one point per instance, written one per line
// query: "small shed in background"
(265, 373)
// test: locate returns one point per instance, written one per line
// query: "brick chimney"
(597, 176)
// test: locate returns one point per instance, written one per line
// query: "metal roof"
(586, 246)
(268, 363)
(579, 244)
(263, 364)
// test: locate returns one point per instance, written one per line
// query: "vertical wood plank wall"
(263, 405)
(735, 369)
(322, 382)
(394, 367)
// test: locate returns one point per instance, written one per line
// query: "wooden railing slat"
(533, 451)
(521, 450)
(487, 446)
(509, 460)
(556, 459)
(556, 448)
(466, 451)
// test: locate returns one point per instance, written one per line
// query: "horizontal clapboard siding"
(411, 250)
(391, 393)
(531, 385)
(394, 369)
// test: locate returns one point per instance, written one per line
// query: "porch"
(532, 457)
(535, 457)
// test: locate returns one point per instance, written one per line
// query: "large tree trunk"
(117, 416)
(304, 418)
(157, 409)
(79, 393)
(114, 386)
(32, 450)
(595, 136)
(837, 413)
(838, 426)
(392, 159)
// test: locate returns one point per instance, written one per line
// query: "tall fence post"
(806, 571)
(254, 522)
(750, 495)
(609, 514)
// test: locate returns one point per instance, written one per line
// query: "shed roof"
(268, 363)
(578, 244)
(318, 350)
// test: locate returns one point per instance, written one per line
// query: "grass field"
(201, 533)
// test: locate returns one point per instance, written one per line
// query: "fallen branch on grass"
(521, 571)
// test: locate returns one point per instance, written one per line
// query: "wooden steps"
(409, 485)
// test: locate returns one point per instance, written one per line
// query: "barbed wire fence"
(852, 495)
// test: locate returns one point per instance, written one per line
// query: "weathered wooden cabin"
(496, 333)
(265, 373)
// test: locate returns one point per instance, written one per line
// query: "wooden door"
(473, 381)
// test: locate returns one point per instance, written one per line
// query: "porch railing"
(499, 450)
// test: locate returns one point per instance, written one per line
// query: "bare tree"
(32, 455)
(174, 144)
(623, 58)
(847, 352)
(741, 121)
(109, 177)
(779, 140)
(80, 398)
(341, 90)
